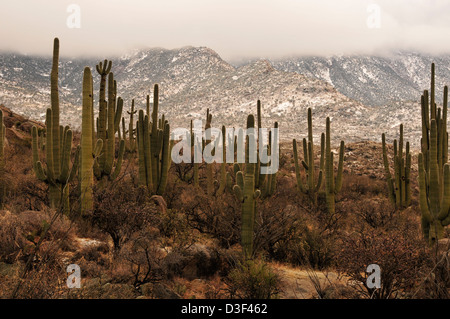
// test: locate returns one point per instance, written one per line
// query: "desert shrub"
(144, 256)
(307, 246)
(23, 190)
(436, 277)
(45, 282)
(284, 160)
(19, 234)
(120, 210)
(275, 227)
(316, 249)
(376, 213)
(217, 216)
(11, 239)
(355, 186)
(43, 256)
(93, 258)
(253, 279)
(399, 255)
(289, 228)
(184, 172)
(175, 231)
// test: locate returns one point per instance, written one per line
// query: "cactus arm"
(49, 146)
(118, 114)
(338, 185)
(387, 172)
(319, 182)
(297, 168)
(110, 142)
(140, 143)
(423, 200)
(75, 165)
(434, 188)
(37, 165)
(119, 162)
(65, 152)
(407, 177)
(166, 160)
(322, 152)
(305, 153)
(238, 192)
(445, 202)
(223, 171)
(151, 180)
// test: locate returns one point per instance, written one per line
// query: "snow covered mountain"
(363, 96)
(374, 80)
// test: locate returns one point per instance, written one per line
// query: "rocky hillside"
(363, 96)
(373, 80)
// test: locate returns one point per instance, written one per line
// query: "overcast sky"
(233, 28)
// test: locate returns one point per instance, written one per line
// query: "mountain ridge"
(195, 78)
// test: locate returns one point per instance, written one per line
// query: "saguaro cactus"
(88, 151)
(332, 186)
(223, 165)
(209, 167)
(431, 111)
(105, 167)
(153, 150)
(398, 187)
(247, 194)
(434, 195)
(103, 69)
(269, 180)
(131, 139)
(58, 147)
(259, 178)
(311, 187)
(265, 182)
(196, 147)
(434, 179)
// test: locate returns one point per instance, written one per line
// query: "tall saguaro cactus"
(103, 69)
(54, 97)
(209, 167)
(399, 188)
(265, 182)
(247, 194)
(434, 195)
(223, 165)
(58, 147)
(269, 180)
(311, 188)
(332, 185)
(430, 111)
(89, 151)
(196, 147)
(106, 167)
(153, 149)
(131, 139)
(434, 177)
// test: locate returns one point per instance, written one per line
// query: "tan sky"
(233, 28)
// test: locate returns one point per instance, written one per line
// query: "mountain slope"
(372, 80)
(191, 80)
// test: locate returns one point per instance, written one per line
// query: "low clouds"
(234, 28)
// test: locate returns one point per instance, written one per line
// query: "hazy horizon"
(236, 30)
